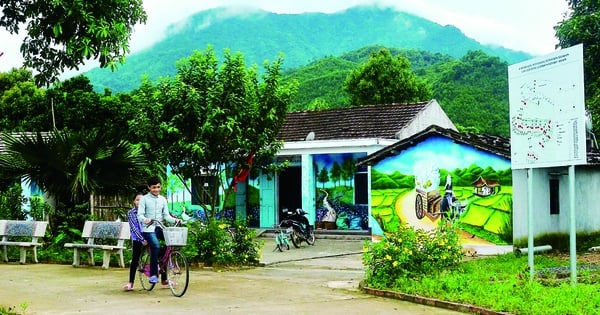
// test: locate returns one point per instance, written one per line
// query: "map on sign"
(547, 110)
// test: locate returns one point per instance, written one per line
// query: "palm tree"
(69, 166)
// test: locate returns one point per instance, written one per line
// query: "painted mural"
(336, 192)
(439, 178)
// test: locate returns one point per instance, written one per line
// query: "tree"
(70, 166)
(582, 25)
(385, 79)
(219, 122)
(335, 173)
(323, 177)
(64, 34)
(348, 169)
(22, 103)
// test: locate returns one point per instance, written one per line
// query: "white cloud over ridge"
(514, 24)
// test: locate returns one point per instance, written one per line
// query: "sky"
(525, 25)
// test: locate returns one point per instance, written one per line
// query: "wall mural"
(335, 191)
(440, 178)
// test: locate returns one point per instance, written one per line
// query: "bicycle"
(281, 239)
(173, 262)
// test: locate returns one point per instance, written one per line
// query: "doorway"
(290, 189)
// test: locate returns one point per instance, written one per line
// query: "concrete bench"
(23, 234)
(108, 231)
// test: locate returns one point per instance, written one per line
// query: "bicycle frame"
(172, 263)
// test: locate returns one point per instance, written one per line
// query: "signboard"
(547, 110)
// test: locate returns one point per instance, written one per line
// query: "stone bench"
(108, 231)
(23, 234)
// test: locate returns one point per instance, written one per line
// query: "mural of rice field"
(439, 178)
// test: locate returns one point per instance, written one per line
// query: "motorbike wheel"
(311, 238)
(296, 238)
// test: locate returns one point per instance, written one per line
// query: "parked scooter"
(302, 231)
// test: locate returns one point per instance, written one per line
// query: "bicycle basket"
(175, 236)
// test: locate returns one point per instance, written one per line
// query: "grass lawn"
(502, 283)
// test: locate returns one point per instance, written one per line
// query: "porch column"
(309, 203)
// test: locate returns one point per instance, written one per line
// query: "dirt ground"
(321, 279)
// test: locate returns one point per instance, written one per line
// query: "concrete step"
(325, 234)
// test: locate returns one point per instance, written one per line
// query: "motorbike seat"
(301, 211)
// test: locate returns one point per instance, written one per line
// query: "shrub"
(410, 253)
(11, 202)
(217, 242)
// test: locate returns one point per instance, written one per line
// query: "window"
(361, 194)
(554, 196)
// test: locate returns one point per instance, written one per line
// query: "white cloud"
(515, 24)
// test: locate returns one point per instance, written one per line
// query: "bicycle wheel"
(178, 273)
(144, 271)
(279, 243)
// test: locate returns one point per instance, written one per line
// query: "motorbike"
(301, 230)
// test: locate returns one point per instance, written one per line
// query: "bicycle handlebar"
(162, 225)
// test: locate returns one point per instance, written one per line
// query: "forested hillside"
(301, 38)
(473, 90)
(468, 79)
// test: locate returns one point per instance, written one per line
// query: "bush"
(410, 253)
(218, 243)
(11, 203)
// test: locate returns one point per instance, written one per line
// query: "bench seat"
(101, 230)
(10, 229)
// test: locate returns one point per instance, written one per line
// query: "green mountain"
(302, 38)
(472, 90)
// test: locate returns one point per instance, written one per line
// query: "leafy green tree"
(348, 169)
(582, 26)
(22, 103)
(323, 177)
(335, 173)
(64, 34)
(218, 122)
(385, 79)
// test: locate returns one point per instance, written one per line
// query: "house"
(412, 179)
(551, 201)
(485, 187)
(322, 148)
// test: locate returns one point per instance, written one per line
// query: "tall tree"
(582, 26)
(64, 34)
(335, 173)
(218, 122)
(385, 79)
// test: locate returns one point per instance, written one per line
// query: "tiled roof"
(45, 135)
(493, 144)
(368, 121)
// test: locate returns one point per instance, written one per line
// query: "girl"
(137, 240)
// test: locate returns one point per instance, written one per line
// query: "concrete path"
(319, 279)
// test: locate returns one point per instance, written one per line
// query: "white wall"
(587, 201)
(433, 114)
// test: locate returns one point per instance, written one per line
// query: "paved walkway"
(319, 279)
